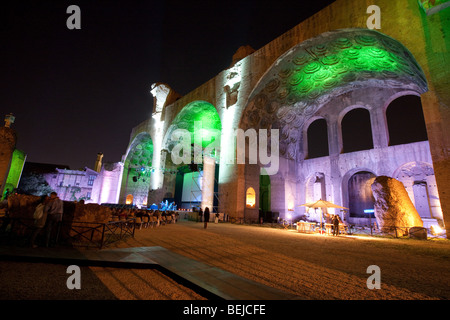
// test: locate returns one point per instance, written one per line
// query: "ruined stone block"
(394, 210)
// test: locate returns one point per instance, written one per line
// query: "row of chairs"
(149, 221)
(153, 221)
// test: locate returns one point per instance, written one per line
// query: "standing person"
(200, 214)
(206, 216)
(335, 225)
(54, 216)
(40, 217)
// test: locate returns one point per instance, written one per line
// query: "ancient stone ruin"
(394, 210)
(22, 206)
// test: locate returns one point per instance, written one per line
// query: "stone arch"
(317, 70)
(360, 194)
(196, 111)
(139, 138)
(346, 201)
(201, 124)
(138, 169)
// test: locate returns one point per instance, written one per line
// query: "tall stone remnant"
(8, 141)
(394, 210)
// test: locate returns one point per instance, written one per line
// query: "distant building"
(72, 185)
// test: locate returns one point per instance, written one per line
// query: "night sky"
(75, 93)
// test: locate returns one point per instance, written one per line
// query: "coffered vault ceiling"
(320, 69)
(141, 152)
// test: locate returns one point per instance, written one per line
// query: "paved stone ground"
(316, 266)
(312, 265)
(44, 281)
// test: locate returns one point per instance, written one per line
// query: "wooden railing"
(75, 233)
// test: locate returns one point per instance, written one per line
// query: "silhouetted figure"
(40, 217)
(54, 216)
(206, 217)
(335, 225)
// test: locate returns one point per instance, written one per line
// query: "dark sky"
(75, 93)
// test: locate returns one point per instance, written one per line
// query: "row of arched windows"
(405, 122)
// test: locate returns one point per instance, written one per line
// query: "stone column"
(379, 128)
(438, 136)
(209, 167)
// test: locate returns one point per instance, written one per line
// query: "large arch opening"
(138, 171)
(360, 196)
(192, 145)
(405, 120)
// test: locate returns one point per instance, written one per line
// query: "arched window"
(250, 198)
(356, 131)
(318, 139)
(405, 121)
(129, 199)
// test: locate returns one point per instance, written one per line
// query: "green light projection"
(188, 119)
(320, 69)
(316, 69)
(141, 152)
(15, 172)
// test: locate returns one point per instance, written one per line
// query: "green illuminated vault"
(320, 69)
(191, 117)
(141, 153)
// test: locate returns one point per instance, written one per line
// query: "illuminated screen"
(192, 187)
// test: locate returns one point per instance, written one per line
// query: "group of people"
(335, 220)
(48, 214)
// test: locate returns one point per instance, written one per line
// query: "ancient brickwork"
(315, 72)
